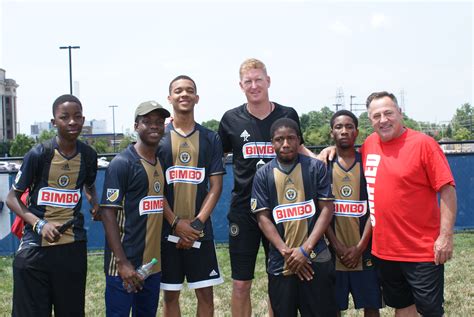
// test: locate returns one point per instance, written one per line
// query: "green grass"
(459, 285)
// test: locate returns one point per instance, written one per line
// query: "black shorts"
(288, 294)
(198, 266)
(244, 242)
(47, 277)
(408, 283)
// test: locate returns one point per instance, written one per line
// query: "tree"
(127, 139)
(101, 145)
(21, 145)
(46, 135)
(211, 124)
(462, 134)
(463, 119)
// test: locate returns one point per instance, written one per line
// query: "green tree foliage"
(46, 135)
(463, 119)
(21, 145)
(127, 139)
(462, 134)
(101, 145)
(211, 124)
(315, 126)
(5, 147)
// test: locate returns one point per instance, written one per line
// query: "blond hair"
(252, 63)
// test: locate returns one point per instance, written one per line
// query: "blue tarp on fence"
(462, 167)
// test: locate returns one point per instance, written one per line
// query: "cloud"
(340, 28)
(379, 20)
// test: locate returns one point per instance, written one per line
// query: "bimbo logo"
(258, 150)
(49, 196)
(290, 212)
(185, 174)
(350, 208)
(151, 205)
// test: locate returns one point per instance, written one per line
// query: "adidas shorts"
(198, 266)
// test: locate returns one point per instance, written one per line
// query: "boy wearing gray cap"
(132, 214)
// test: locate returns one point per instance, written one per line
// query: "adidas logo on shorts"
(213, 273)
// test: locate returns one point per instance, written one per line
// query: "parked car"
(9, 166)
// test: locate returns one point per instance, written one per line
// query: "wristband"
(38, 227)
(304, 252)
(174, 224)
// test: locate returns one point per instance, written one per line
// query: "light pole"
(70, 64)
(113, 122)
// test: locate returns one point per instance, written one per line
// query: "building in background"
(8, 118)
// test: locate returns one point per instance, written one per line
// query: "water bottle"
(144, 271)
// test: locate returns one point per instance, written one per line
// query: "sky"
(131, 50)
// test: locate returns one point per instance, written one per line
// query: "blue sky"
(131, 50)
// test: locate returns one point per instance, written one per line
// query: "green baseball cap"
(148, 106)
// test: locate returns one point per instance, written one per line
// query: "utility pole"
(113, 122)
(70, 63)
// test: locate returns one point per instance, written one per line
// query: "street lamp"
(113, 122)
(70, 64)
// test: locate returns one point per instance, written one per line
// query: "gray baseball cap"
(148, 106)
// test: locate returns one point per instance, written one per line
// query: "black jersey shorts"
(244, 243)
(50, 277)
(315, 298)
(408, 283)
(198, 266)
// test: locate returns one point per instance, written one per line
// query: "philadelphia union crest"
(63, 180)
(290, 194)
(157, 187)
(346, 191)
(185, 157)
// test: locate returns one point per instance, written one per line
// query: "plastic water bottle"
(144, 271)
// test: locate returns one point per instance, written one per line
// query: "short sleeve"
(324, 182)
(224, 134)
(115, 183)
(91, 166)
(260, 200)
(217, 164)
(26, 175)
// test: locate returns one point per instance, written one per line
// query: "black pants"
(47, 277)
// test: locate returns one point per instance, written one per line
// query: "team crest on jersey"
(234, 229)
(291, 194)
(245, 135)
(260, 150)
(55, 197)
(253, 203)
(292, 212)
(112, 194)
(346, 191)
(185, 174)
(157, 187)
(350, 208)
(63, 180)
(184, 157)
(150, 205)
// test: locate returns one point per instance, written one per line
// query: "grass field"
(459, 285)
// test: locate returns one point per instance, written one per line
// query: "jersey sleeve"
(260, 198)
(324, 181)
(115, 183)
(91, 167)
(26, 175)
(436, 165)
(224, 134)
(217, 164)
